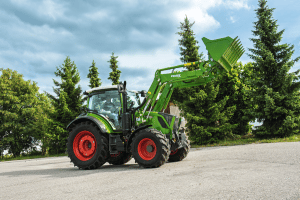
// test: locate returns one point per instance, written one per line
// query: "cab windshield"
(133, 97)
(108, 104)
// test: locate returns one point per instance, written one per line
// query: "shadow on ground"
(73, 171)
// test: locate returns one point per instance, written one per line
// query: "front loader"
(117, 126)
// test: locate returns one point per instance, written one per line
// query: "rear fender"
(100, 125)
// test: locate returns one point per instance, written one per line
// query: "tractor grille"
(168, 118)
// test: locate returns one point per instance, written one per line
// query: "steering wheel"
(110, 106)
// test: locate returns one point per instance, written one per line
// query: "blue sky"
(36, 36)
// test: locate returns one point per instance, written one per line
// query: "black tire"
(150, 148)
(181, 153)
(81, 137)
(120, 158)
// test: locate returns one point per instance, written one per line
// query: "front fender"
(100, 125)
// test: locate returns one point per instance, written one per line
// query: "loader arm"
(222, 54)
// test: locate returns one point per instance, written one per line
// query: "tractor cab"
(107, 103)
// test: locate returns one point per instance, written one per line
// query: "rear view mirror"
(143, 93)
(122, 87)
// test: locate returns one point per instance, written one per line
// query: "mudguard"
(101, 126)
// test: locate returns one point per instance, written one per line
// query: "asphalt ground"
(255, 171)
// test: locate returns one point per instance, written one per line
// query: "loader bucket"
(226, 51)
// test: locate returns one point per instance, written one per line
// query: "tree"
(275, 90)
(189, 53)
(207, 118)
(43, 123)
(95, 81)
(114, 76)
(188, 43)
(199, 104)
(230, 98)
(234, 85)
(19, 110)
(67, 104)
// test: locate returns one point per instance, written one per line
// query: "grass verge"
(249, 139)
(28, 156)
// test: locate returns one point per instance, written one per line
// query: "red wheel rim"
(173, 152)
(84, 145)
(147, 149)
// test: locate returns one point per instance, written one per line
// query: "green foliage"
(67, 105)
(43, 125)
(230, 98)
(95, 81)
(188, 43)
(207, 118)
(199, 104)
(20, 112)
(114, 76)
(275, 91)
(233, 85)
(189, 53)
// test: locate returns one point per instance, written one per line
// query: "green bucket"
(226, 51)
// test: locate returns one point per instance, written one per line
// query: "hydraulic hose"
(135, 109)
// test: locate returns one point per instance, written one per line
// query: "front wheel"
(180, 154)
(87, 147)
(150, 148)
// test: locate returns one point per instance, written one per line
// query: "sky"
(37, 36)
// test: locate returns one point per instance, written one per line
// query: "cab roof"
(112, 87)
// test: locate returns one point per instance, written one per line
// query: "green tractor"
(118, 126)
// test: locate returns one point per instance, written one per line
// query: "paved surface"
(256, 171)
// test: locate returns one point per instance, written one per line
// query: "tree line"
(28, 117)
(262, 89)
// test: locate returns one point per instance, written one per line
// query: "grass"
(28, 156)
(249, 139)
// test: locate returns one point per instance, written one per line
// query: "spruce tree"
(189, 53)
(67, 103)
(275, 91)
(207, 118)
(93, 74)
(234, 85)
(200, 106)
(114, 76)
(188, 43)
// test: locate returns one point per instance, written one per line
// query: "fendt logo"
(177, 75)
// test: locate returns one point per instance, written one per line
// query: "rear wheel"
(150, 148)
(87, 148)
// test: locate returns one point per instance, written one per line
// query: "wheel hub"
(147, 149)
(84, 145)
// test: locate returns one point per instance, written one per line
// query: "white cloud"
(97, 15)
(46, 8)
(232, 19)
(51, 9)
(196, 11)
(236, 4)
(159, 58)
